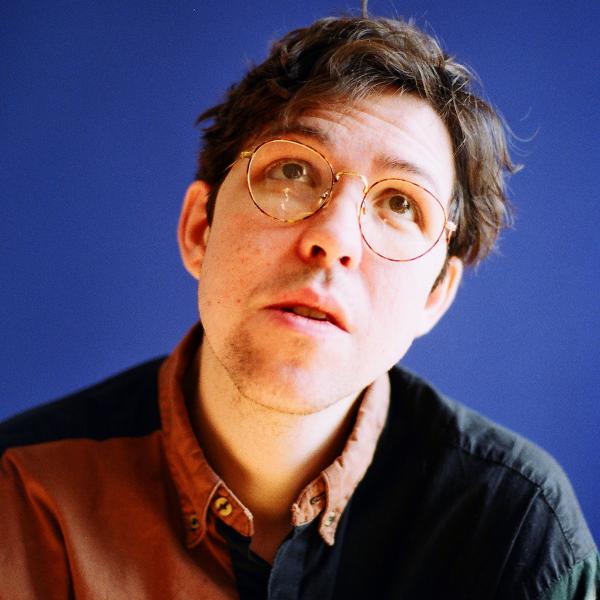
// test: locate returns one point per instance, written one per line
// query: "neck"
(265, 456)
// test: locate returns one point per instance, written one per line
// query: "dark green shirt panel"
(582, 582)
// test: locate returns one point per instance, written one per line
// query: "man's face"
(256, 274)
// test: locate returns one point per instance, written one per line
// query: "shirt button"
(223, 506)
(194, 523)
(329, 519)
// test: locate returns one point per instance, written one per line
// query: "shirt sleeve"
(33, 559)
(582, 582)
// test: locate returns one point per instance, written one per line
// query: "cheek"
(400, 299)
(222, 268)
(236, 256)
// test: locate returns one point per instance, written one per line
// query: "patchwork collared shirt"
(107, 494)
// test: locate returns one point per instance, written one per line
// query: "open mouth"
(311, 313)
(310, 307)
(308, 312)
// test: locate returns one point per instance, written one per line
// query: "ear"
(441, 297)
(193, 228)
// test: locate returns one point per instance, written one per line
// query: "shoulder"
(122, 405)
(73, 470)
(508, 480)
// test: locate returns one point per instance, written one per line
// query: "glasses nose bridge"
(364, 180)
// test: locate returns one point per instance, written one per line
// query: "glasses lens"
(288, 180)
(400, 220)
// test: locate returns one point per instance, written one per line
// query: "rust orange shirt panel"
(95, 519)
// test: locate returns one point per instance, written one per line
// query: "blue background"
(97, 108)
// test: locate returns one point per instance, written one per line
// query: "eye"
(290, 170)
(400, 205)
(396, 207)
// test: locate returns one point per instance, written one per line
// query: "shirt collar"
(202, 492)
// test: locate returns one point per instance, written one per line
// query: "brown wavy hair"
(347, 59)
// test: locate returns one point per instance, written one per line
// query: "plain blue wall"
(97, 108)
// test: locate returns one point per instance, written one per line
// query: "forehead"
(388, 135)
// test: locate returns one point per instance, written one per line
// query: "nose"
(332, 235)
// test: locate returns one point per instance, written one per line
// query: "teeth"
(311, 313)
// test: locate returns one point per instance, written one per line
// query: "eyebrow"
(392, 163)
(299, 129)
(383, 161)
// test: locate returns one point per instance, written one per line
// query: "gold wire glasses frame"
(399, 220)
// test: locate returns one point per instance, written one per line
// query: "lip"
(325, 303)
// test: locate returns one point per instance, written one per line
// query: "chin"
(302, 394)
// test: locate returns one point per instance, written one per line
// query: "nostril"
(317, 251)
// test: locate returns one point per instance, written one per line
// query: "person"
(279, 452)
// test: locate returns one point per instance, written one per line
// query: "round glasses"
(399, 220)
